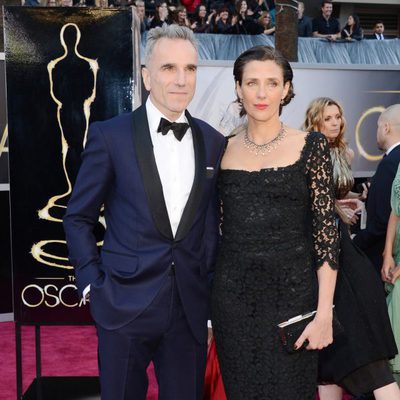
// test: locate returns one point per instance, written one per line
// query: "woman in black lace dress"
(279, 241)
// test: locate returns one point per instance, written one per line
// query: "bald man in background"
(372, 239)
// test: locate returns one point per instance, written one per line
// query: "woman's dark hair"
(157, 6)
(223, 9)
(238, 5)
(264, 53)
(356, 21)
(196, 16)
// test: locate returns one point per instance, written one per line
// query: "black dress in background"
(357, 359)
(275, 234)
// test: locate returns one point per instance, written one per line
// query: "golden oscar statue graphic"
(68, 77)
(3, 141)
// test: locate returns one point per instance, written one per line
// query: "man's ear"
(388, 128)
(146, 78)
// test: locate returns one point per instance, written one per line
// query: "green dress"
(393, 298)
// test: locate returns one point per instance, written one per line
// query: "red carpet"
(66, 351)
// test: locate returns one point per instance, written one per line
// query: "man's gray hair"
(169, 32)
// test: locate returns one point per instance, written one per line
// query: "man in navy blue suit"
(372, 239)
(155, 172)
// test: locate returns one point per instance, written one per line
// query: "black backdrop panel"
(65, 68)
(3, 128)
(5, 251)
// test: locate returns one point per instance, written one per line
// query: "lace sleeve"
(320, 178)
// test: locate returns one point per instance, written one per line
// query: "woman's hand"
(364, 194)
(395, 274)
(318, 333)
(347, 214)
(387, 267)
(355, 204)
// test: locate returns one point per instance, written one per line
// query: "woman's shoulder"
(236, 133)
(293, 132)
(349, 155)
(316, 139)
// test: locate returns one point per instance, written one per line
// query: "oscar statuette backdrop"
(65, 68)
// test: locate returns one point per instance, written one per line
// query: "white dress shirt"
(391, 148)
(175, 164)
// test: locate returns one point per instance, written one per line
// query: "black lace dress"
(278, 228)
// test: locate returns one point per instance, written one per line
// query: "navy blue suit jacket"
(372, 239)
(119, 170)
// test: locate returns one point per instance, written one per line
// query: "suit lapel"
(196, 192)
(149, 172)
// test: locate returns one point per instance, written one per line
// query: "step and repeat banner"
(363, 92)
(66, 67)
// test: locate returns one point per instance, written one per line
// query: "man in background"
(304, 22)
(326, 26)
(379, 29)
(372, 239)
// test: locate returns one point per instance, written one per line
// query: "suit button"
(172, 270)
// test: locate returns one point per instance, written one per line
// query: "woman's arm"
(319, 332)
(388, 260)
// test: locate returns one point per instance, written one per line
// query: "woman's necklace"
(266, 147)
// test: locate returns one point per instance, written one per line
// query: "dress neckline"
(257, 171)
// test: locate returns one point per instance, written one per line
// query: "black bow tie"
(179, 128)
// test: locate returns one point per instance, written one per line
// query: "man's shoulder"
(115, 123)
(389, 164)
(317, 20)
(393, 156)
(208, 130)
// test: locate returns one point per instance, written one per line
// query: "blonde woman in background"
(358, 359)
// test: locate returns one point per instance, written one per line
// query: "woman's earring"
(282, 101)
(240, 101)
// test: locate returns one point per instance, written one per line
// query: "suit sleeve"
(89, 193)
(379, 211)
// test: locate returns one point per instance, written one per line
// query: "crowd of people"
(231, 17)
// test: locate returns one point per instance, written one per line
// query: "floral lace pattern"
(278, 227)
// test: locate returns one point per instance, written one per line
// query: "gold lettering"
(40, 291)
(61, 296)
(56, 301)
(4, 137)
(362, 151)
